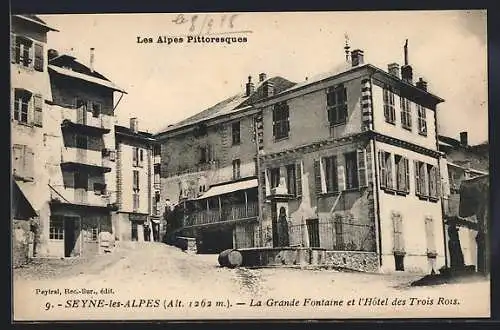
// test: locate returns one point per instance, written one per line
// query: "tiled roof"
(232, 104)
(74, 74)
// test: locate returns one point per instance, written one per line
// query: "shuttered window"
(351, 170)
(389, 109)
(331, 173)
(22, 51)
(275, 177)
(38, 110)
(38, 65)
(22, 105)
(236, 169)
(386, 170)
(291, 179)
(362, 179)
(405, 113)
(422, 121)
(402, 174)
(429, 233)
(433, 179)
(281, 124)
(298, 179)
(235, 133)
(23, 162)
(397, 223)
(318, 188)
(336, 101)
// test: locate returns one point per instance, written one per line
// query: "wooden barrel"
(230, 258)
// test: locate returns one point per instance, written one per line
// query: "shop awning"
(26, 192)
(229, 188)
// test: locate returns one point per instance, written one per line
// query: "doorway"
(71, 236)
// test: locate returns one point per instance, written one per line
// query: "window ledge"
(422, 134)
(391, 122)
(408, 128)
(23, 123)
(394, 191)
(338, 124)
(281, 138)
(428, 198)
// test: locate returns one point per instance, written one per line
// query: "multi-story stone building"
(209, 169)
(348, 161)
(138, 215)
(463, 162)
(63, 143)
(351, 164)
(30, 89)
(79, 140)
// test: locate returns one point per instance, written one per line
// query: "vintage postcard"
(237, 165)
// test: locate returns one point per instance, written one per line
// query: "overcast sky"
(166, 83)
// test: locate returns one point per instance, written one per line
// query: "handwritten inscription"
(208, 24)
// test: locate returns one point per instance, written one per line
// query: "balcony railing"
(80, 156)
(66, 195)
(227, 213)
(81, 118)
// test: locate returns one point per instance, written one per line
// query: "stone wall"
(22, 242)
(353, 260)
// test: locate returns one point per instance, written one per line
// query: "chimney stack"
(268, 89)
(92, 54)
(357, 57)
(464, 139)
(134, 124)
(393, 69)
(407, 70)
(421, 84)
(250, 86)
(262, 77)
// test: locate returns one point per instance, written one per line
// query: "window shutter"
(134, 156)
(317, 177)
(429, 233)
(418, 184)
(341, 177)
(13, 52)
(263, 184)
(29, 163)
(38, 65)
(407, 175)
(18, 159)
(398, 232)
(298, 179)
(362, 179)
(437, 179)
(383, 171)
(424, 186)
(38, 114)
(389, 174)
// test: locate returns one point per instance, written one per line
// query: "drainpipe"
(257, 169)
(376, 185)
(443, 225)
